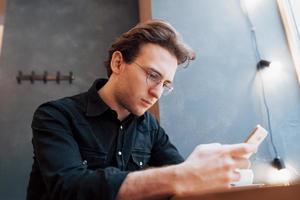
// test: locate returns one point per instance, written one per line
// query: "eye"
(154, 76)
(167, 85)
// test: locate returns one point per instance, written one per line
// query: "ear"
(117, 62)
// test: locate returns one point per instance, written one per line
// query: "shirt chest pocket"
(139, 159)
(92, 158)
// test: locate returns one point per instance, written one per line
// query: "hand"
(210, 168)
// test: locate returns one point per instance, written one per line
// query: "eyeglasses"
(153, 79)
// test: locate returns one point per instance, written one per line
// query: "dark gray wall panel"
(65, 35)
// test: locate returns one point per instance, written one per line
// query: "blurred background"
(220, 97)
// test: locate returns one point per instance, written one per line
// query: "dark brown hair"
(153, 31)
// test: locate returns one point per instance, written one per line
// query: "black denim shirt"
(82, 151)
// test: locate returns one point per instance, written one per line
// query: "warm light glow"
(252, 5)
(267, 174)
(274, 75)
(275, 64)
(279, 177)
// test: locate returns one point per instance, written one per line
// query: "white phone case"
(256, 137)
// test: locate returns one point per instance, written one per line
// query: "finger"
(236, 176)
(209, 146)
(229, 177)
(239, 150)
(242, 163)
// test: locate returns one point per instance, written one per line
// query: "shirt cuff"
(114, 179)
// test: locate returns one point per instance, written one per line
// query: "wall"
(65, 35)
(218, 98)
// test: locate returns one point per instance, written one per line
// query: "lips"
(147, 102)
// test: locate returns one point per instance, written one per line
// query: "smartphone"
(257, 135)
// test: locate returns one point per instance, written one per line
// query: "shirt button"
(84, 162)
(121, 127)
(141, 163)
(119, 153)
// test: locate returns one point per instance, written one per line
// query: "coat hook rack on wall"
(44, 77)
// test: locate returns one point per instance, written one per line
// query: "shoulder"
(64, 106)
(151, 125)
(150, 121)
(60, 104)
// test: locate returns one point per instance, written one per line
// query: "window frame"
(292, 28)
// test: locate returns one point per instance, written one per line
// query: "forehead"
(158, 58)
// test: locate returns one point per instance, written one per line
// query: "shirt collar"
(95, 104)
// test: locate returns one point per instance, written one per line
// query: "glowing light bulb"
(279, 177)
(275, 64)
(268, 174)
(252, 5)
(274, 75)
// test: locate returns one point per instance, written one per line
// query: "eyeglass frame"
(167, 86)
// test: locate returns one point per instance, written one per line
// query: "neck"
(108, 96)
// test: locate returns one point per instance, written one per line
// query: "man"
(103, 144)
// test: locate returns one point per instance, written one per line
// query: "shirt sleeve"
(62, 168)
(163, 151)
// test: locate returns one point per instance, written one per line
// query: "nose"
(156, 91)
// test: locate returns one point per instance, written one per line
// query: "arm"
(209, 168)
(155, 183)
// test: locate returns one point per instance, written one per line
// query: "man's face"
(138, 86)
